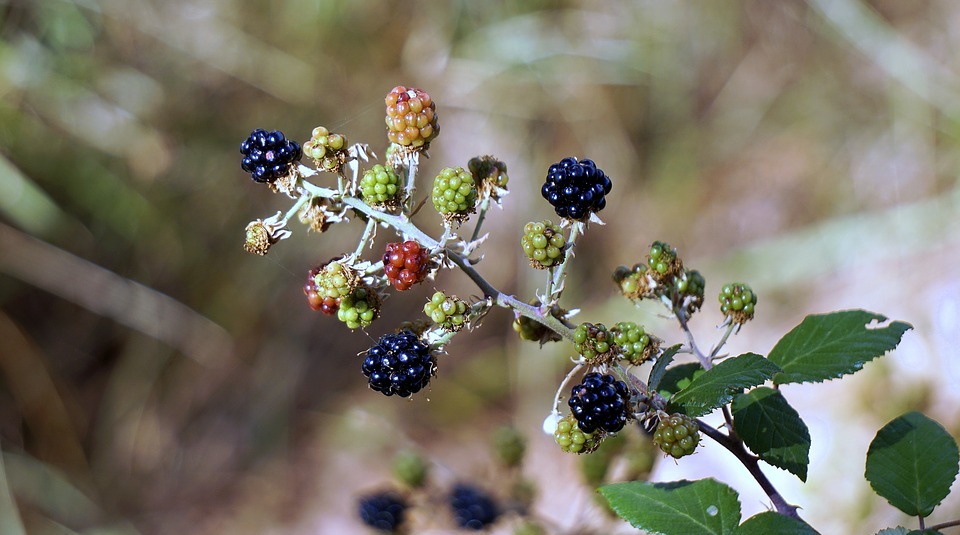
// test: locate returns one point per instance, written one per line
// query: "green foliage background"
(156, 379)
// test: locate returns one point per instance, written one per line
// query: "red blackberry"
(411, 117)
(383, 511)
(472, 507)
(399, 364)
(576, 189)
(326, 304)
(268, 156)
(600, 402)
(405, 264)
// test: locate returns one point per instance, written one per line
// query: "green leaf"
(677, 378)
(899, 530)
(698, 507)
(772, 429)
(716, 387)
(912, 462)
(772, 522)
(827, 346)
(660, 367)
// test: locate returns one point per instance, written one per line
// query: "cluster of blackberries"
(576, 189)
(400, 363)
(405, 264)
(268, 156)
(383, 511)
(472, 507)
(600, 402)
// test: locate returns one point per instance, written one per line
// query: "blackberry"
(268, 156)
(380, 186)
(690, 291)
(600, 402)
(328, 150)
(454, 193)
(411, 117)
(665, 266)
(360, 307)
(492, 175)
(405, 264)
(400, 364)
(677, 435)
(572, 439)
(328, 284)
(576, 189)
(634, 343)
(447, 312)
(472, 507)
(383, 511)
(737, 302)
(510, 446)
(593, 342)
(633, 281)
(543, 243)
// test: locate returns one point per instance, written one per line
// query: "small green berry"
(593, 342)
(677, 435)
(447, 312)
(572, 440)
(509, 446)
(737, 302)
(454, 194)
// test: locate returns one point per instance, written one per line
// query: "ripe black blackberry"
(268, 156)
(400, 363)
(472, 507)
(576, 189)
(600, 402)
(383, 511)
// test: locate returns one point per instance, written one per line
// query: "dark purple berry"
(268, 156)
(600, 402)
(576, 189)
(472, 507)
(400, 363)
(383, 511)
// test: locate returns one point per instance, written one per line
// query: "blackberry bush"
(687, 380)
(383, 511)
(600, 402)
(268, 156)
(399, 364)
(576, 189)
(472, 507)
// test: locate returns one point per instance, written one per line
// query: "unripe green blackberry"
(633, 282)
(360, 307)
(677, 435)
(454, 193)
(737, 302)
(380, 186)
(593, 342)
(447, 312)
(411, 117)
(635, 344)
(328, 150)
(410, 468)
(543, 243)
(690, 291)
(509, 445)
(664, 264)
(572, 440)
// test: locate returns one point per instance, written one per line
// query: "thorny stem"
(705, 361)
(716, 349)
(751, 463)
(935, 527)
(367, 233)
(554, 283)
(480, 217)
(412, 162)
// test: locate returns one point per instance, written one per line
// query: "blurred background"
(156, 379)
